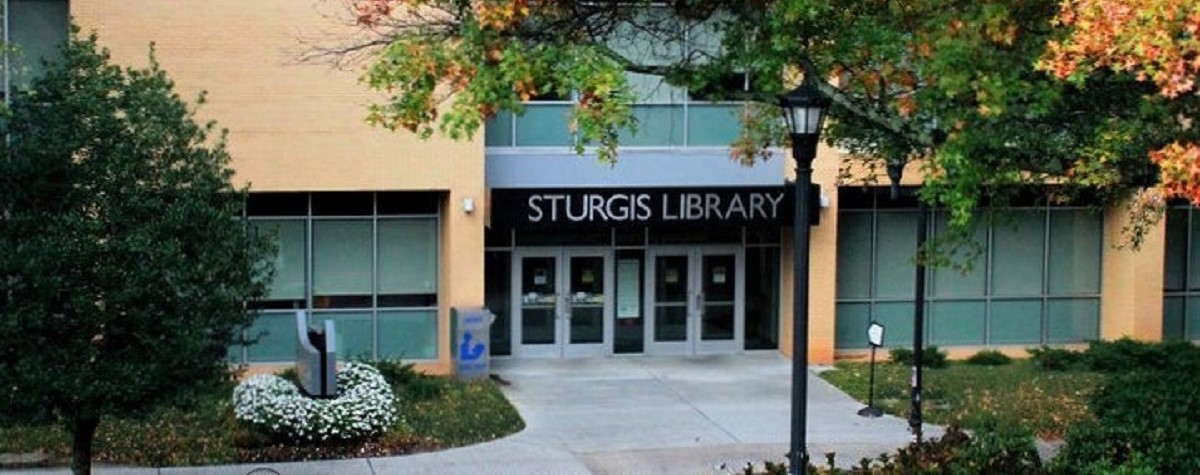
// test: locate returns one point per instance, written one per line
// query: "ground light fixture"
(875, 338)
(804, 111)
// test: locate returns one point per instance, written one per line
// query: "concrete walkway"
(635, 415)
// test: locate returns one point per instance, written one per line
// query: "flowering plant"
(364, 407)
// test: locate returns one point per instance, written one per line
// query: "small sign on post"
(875, 338)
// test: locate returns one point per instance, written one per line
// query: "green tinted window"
(498, 130)
(953, 282)
(1173, 318)
(957, 323)
(1015, 322)
(1018, 254)
(342, 252)
(897, 317)
(1193, 318)
(895, 244)
(544, 125)
(407, 334)
(716, 125)
(408, 256)
(288, 282)
(1176, 249)
(355, 333)
(1076, 240)
(656, 125)
(854, 256)
(276, 337)
(1072, 320)
(851, 325)
(37, 28)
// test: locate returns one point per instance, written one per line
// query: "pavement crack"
(679, 395)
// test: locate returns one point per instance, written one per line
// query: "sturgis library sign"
(549, 208)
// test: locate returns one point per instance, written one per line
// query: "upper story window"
(667, 116)
(33, 30)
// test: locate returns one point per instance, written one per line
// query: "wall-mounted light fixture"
(468, 205)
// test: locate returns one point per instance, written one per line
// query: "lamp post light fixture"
(804, 111)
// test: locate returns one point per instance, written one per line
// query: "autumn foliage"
(1096, 96)
(1156, 41)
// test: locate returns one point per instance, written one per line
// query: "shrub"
(405, 379)
(932, 357)
(1127, 354)
(993, 449)
(364, 407)
(989, 358)
(1056, 359)
(1143, 419)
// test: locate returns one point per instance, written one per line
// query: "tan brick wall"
(822, 262)
(1132, 281)
(297, 126)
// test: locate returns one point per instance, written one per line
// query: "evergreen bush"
(1056, 359)
(1143, 419)
(932, 358)
(989, 358)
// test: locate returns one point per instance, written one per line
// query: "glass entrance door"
(562, 307)
(695, 300)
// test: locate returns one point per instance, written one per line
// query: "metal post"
(803, 151)
(914, 418)
(871, 381)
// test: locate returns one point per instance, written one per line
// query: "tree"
(1154, 40)
(951, 84)
(124, 269)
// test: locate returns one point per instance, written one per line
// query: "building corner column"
(1131, 300)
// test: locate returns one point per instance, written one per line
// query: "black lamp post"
(804, 110)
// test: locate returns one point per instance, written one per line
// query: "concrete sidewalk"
(635, 415)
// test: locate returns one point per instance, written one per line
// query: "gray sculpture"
(316, 357)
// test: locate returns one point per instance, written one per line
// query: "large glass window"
(1035, 280)
(373, 273)
(35, 30)
(667, 116)
(1181, 275)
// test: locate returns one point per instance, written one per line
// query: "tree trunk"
(83, 431)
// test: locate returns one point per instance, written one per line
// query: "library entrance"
(694, 300)
(655, 271)
(570, 302)
(561, 302)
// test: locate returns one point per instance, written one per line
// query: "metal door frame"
(562, 347)
(694, 344)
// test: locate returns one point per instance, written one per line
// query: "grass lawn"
(435, 413)
(1045, 402)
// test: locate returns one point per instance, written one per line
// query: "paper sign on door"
(718, 275)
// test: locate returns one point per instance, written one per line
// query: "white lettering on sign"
(634, 207)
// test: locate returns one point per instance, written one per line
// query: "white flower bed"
(365, 407)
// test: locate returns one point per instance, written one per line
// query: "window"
(1037, 280)
(1181, 275)
(35, 30)
(667, 116)
(367, 261)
